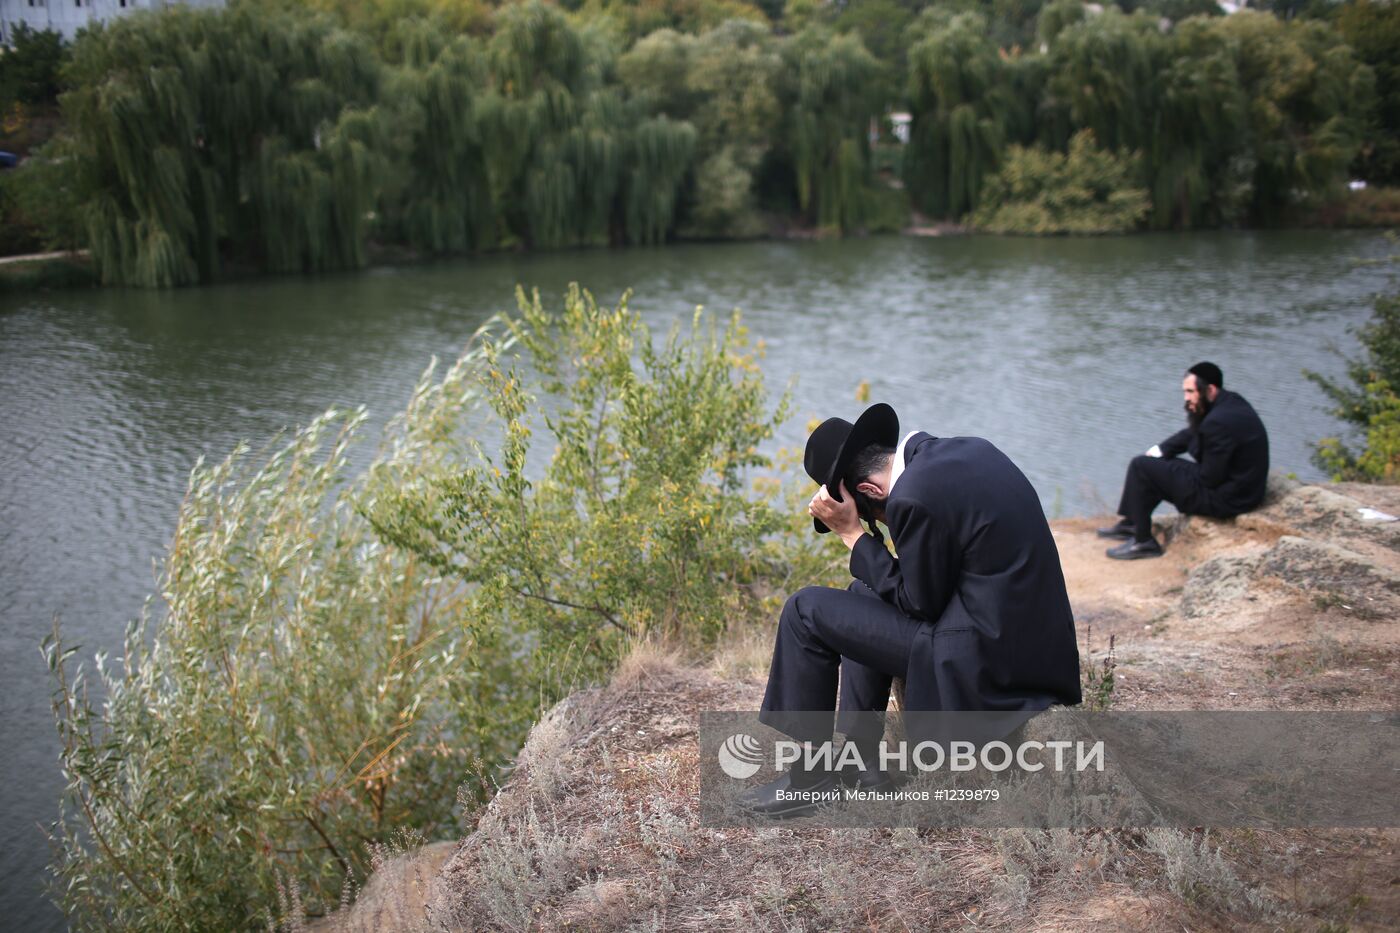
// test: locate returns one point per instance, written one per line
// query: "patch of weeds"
(291, 912)
(1096, 680)
(840, 904)
(664, 835)
(546, 756)
(403, 840)
(523, 864)
(1202, 875)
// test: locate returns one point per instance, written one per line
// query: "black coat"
(1232, 448)
(978, 565)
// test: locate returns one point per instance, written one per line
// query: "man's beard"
(1194, 419)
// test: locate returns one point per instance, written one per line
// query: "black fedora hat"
(835, 443)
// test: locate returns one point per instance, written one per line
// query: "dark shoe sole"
(787, 809)
(1116, 554)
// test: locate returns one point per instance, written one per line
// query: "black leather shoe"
(867, 778)
(1122, 530)
(1135, 550)
(780, 800)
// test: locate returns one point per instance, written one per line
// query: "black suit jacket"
(978, 566)
(1232, 448)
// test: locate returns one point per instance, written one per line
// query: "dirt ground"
(1292, 607)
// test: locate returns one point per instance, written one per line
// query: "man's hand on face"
(841, 517)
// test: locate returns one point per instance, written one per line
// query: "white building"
(68, 16)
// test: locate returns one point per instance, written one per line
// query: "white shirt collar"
(897, 467)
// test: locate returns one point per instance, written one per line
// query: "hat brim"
(878, 424)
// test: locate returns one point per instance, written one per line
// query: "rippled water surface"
(1066, 353)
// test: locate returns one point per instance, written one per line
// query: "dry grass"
(745, 655)
(598, 828)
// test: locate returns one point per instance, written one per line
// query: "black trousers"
(1154, 480)
(823, 632)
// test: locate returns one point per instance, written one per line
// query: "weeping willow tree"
(562, 142)
(442, 201)
(829, 109)
(659, 153)
(204, 137)
(724, 83)
(964, 104)
(1102, 70)
(1194, 151)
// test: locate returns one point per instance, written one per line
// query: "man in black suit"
(973, 613)
(1230, 448)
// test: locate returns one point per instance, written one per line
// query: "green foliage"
(887, 209)
(203, 133)
(883, 27)
(1102, 71)
(634, 19)
(41, 199)
(724, 83)
(1056, 16)
(30, 67)
(563, 142)
(307, 690)
(829, 107)
(1088, 190)
(332, 652)
(965, 110)
(1196, 153)
(1097, 680)
(1174, 10)
(445, 199)
(1307, 98)
(380, 20)
(283, 136)
(640, 522)
(1372, 29)
(1368, 402)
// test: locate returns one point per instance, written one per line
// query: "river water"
(1067, 353)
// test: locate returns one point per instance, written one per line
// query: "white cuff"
(1154, 451)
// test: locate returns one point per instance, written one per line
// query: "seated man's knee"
(1140, 463)
(799, 604)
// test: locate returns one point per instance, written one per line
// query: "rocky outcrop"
(1313, 540)
(1292, 606)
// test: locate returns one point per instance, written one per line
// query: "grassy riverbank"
(598, 827)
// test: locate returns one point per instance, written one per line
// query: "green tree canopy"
(205, 135)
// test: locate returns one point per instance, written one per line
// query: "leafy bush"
(334, 653)
(39, 203)
(30, 66)
(306, 692)
(640, 522)
(887, 210)
(1087, 190)
(1369, 403)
